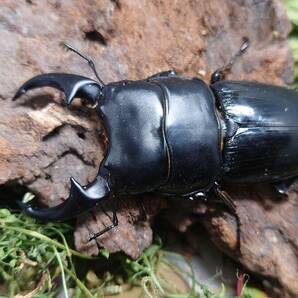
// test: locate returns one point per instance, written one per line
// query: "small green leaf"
(104, 252)
(249, 292)
(12, 263)
(92, 279)
(28, 196)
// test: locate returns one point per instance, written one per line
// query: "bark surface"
(42, 142)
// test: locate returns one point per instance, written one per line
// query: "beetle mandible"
(178, 136)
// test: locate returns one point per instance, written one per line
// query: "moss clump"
(36, 259)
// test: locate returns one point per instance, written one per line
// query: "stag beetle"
(179, 137)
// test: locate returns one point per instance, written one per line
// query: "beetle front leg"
(114, 220)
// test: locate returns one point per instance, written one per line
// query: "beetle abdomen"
(263, 145)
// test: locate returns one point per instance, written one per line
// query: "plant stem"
(47, 239)
(62, 272)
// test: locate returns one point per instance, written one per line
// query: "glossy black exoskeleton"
(180, 137)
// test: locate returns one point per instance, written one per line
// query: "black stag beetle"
(180, 137)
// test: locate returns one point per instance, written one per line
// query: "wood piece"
(264, 239)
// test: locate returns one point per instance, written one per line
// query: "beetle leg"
(283, 187)
(228, 201)
(163, 74)
(81, 199)
(220, 73)
(72, 86)
(90, 230)
(114, 220)
(225, 197)
(198, 195)
(142, 209)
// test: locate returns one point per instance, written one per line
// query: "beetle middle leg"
(220, 73)
(283, 187)
(228, 201)
(224, 197)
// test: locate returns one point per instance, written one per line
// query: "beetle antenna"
(89, 61)
(219, 74)
(244, 46)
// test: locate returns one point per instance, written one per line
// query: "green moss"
(292, 6)
(37, 257)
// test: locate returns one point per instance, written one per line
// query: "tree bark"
(261, 233)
